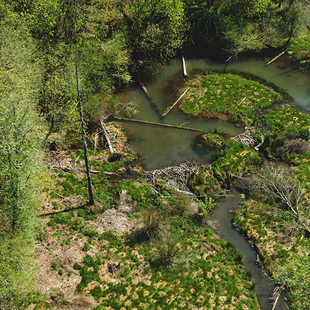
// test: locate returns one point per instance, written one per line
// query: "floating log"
(106, 134)
(157, 124)
(184, 66)
(275, 58)
(168, 109)
(149, 97)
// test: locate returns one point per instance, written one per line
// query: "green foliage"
(16, 269)
(183, 262)
(20, 166)
(237, 160)
(57, 267)
(229, 94)
(300, 48)
(212, 140)
(89, 271)
(205, 184)
(225, 24)
(43, 19)
(285, 254)
(103, 64)
(140, 192)
(205, 206)
(282, 124)
(154, 28)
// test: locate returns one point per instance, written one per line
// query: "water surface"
(160, 147)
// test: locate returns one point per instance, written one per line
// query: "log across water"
(124, 119)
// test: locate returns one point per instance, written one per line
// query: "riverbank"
(125, 203)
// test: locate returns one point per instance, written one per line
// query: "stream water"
(160, 147)
(220, 219)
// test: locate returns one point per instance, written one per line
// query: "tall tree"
(20, 157)
(155, 29)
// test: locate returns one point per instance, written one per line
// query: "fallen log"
(106, 134)
(245, 138)
(277, 294)
(157, 124)
(149, 97)
(275, 58)
(241, 102)
(65, 210)
(184, 66)
(168, 109)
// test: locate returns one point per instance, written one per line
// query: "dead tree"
(278, 182)
(84, 137)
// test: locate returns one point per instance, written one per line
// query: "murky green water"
(161, 147)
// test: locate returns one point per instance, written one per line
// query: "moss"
(205, 183)
(300, 48)
(237, 160)
(281, 252)
(188, 279)
(228, 94)
(211, 139)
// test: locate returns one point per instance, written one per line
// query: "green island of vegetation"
(120, 238)
(229, 96)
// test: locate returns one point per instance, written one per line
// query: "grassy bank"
(285, 250)
(276, 215)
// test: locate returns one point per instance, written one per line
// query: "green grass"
(204, 267)
(300, 48)
(228, 94)
(284, 250)
(283, 124)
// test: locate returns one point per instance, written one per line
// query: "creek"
(160, 147)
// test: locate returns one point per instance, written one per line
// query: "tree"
(279, 183)
(284, 20)
(224, 25)
(20, 160)
(155, 28)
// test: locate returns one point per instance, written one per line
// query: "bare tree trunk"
(106, 134)
(168, 109)
(90, 189)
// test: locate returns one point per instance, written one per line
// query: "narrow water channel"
(220, 219)
(160, 147)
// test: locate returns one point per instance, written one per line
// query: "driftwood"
(179, 174)
(245, 138)
(106, 134)
(157, 124)
(276, 295)
(184, 66)
(241, 102)
(275, 58)
(149, 97)
(168, 109)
